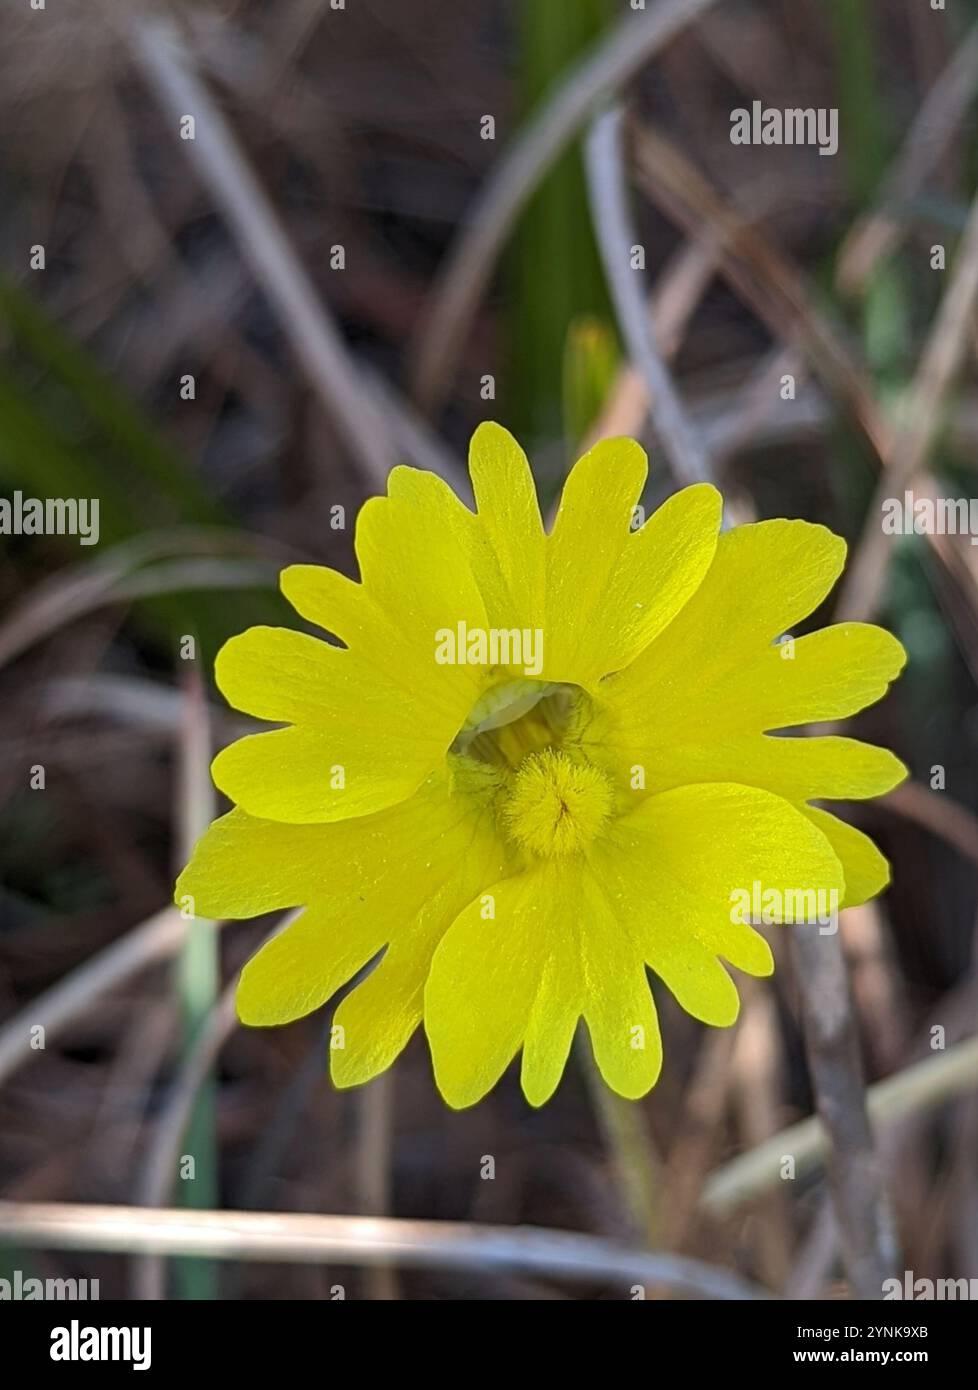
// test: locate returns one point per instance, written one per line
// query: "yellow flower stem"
(638, 1168)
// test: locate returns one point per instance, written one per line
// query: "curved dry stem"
(296, 1238)
(263, 241)
(944, 817)
(615, 235)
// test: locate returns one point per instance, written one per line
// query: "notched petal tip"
(816, 534)
(182, 888)
(900, 656)
(490, 433)
(618, 451)
(722, 1009)
(344, 1072)
(403, 479)
(241, 662)
(698, 508)
(629, 1087)
(296, 581)
(218, 770)
(496, 455)
(538, 1098)
(887, 655)
(459, 1097)
(195, 891)
(707, 493)
(898, 770)
(247, 1003)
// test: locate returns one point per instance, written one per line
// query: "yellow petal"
(594, 969)
(552, 952)
(584, 549)
(374, 718)
(330, 600)
(359, 742)
(413, 561)
(617, 1005)
(835, 672)
(308, 774)
(677, 868)
(485, 976)
(551, 1025)
(242, 866)
(506, 543)
(379, 1016)
(375, 1021)
(763, 579)
(832, 674)
(290, 678)
(799, 769)
(624, 1029)
(611, 590)
(399, 876)
(598, 590)
(302, 967)
(865, 868)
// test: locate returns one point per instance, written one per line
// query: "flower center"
(550, 799)
(555, 805)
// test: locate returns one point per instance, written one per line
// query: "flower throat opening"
(553, 800)
(517, 718)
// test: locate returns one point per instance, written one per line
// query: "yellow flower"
(538, 764)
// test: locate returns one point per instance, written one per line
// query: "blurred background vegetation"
(363, 127)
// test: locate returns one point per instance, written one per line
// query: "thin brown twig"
(862, 1209)
(815, 1259)
(876, 234)
(944, 352)
(699, 1135)
(757, 1088)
